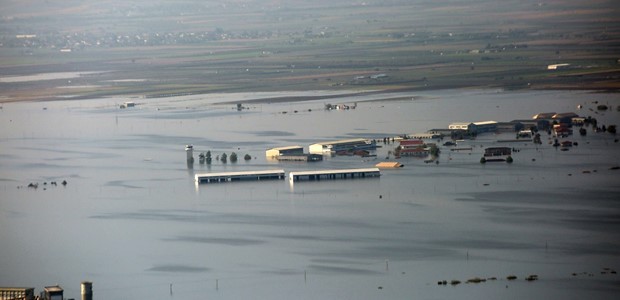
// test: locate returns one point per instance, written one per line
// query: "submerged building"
(288, 150)
(413, 147)
(239, 176)
(544, 116)
(475, 127)
(342, 145)
(300, 157)
(334, 174)
(493, 154)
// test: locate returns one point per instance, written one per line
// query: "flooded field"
(131, 219)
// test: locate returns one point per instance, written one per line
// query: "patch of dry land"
(150, 49)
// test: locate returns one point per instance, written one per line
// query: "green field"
(150, 49)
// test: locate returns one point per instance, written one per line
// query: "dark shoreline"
(287, 99)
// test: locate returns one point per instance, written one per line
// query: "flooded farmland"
(132, 220)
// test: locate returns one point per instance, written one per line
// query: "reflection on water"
(132, 220)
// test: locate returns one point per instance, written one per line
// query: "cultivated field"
(150, 49)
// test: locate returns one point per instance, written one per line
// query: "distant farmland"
(145, 48)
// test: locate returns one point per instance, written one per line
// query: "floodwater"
(132, 220)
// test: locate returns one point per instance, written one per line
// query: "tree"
(224, 157)
(434, 151)
(247, 157)
(208, 157)
(233, 157)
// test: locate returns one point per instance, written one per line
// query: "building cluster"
(81, 40)
(557, 123)
(54, 292)
(296, 153)
(413, 145)
(74, 41)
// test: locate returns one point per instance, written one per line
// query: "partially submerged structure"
(537, 124)
(287, 150)
(342, 145)
(300, 157)
(413, 147)
(475, 127)
(292, 153)
(334, 174)
(562, 129)
(525, 134)
(544, 116)
(239, 176)
(492, 154)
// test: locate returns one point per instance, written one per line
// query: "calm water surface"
(132, 220)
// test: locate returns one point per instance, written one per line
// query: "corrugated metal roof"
(241, 173)
(342, 142)
(286, 148)
(337, 171)
(547, 115)
(485, 123)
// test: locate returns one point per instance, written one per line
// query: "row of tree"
(205, 157)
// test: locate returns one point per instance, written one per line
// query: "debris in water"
(531, 278)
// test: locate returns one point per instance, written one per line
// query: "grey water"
(132, 220)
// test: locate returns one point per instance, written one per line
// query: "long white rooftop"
(334, 174)
(228, 176)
